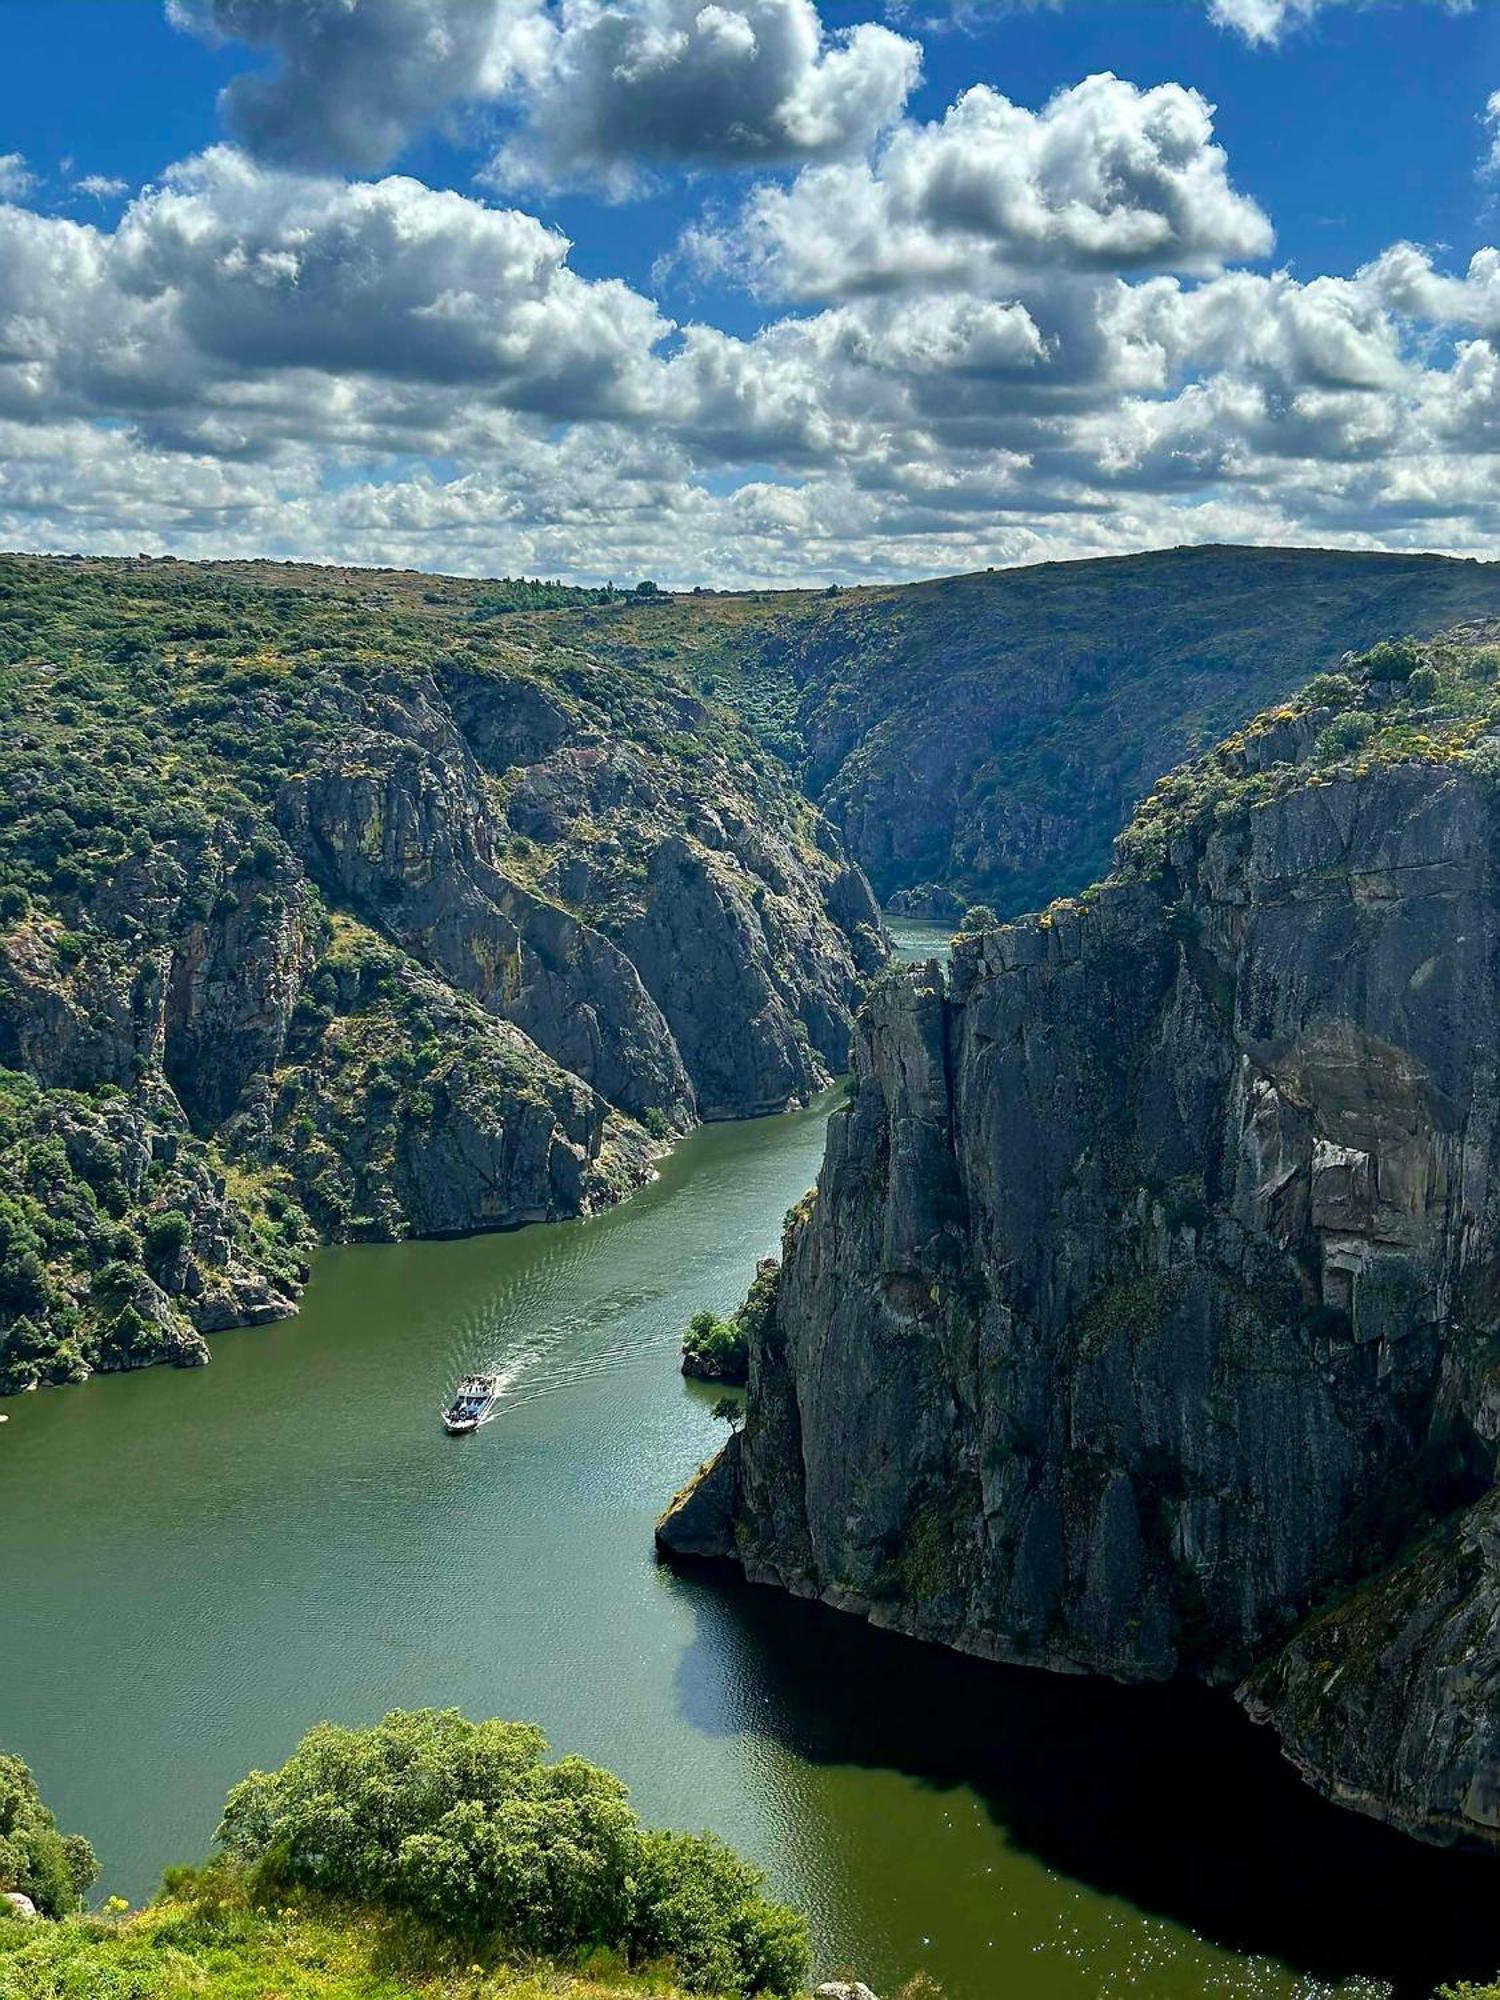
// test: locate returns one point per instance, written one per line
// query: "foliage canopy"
(465, 1825)
(54, 1869)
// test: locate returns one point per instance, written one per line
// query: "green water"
(194, 1567)
(916, 941)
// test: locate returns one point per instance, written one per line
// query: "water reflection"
(1164, 1799)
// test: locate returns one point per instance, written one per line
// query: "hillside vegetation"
(187, 1948)
(333, 906)
(351, 904)
(425, 1855)
(983, 738)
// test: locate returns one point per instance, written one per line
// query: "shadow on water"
(1167, 1797)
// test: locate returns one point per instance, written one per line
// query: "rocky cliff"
(983, 738)
(1144, 1317)
(330, 910)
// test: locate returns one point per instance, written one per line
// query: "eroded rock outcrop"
(1147, 1299)
(395, 821)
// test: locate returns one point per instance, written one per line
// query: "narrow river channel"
(194, 1567)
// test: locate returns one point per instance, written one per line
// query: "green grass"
(299, 1950)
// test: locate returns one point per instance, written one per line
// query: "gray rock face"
(750, 930)
(75, 1024)
(233, 982)
(492, 1134)
(699, 939)
(717, 970)
(1390, 1701)
(1146, 1297)
(397, 822)
(700, 1520)
(990, 733)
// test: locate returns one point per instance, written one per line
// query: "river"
(194, 1567)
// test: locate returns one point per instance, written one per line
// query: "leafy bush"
(1345, 736)
(1424, 684)
(1391, 660)
(715, 1349)
(53, 1869)
(701, 1907)
(978, 917)
(1330, 691)
(463, 1824)
(167, 1235)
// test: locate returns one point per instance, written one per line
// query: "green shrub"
(116, 1281)
(167, 1235)
(1331, 691)
(465, 1825)
(1391, 660)
(978, 917)
(1345, 736)
(53, 1869)
(1424, 684)
(701, 1907)
(715, 1349)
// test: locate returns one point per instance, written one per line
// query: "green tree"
(715, 1349)
(1391, 660)
(167, 1235)
(1345, 736)
(465, 1824)
(54, 1869)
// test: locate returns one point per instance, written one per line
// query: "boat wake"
(539, 1367)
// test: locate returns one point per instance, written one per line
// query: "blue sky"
(822, 315)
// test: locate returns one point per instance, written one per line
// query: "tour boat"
(472, 1404)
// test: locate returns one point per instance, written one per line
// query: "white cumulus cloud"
(746, 82)
(1105, 176)
(1266, 21)
(241, 306)
(352, 82)
(589, 89)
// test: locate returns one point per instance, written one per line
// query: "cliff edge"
(1143, 1320)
